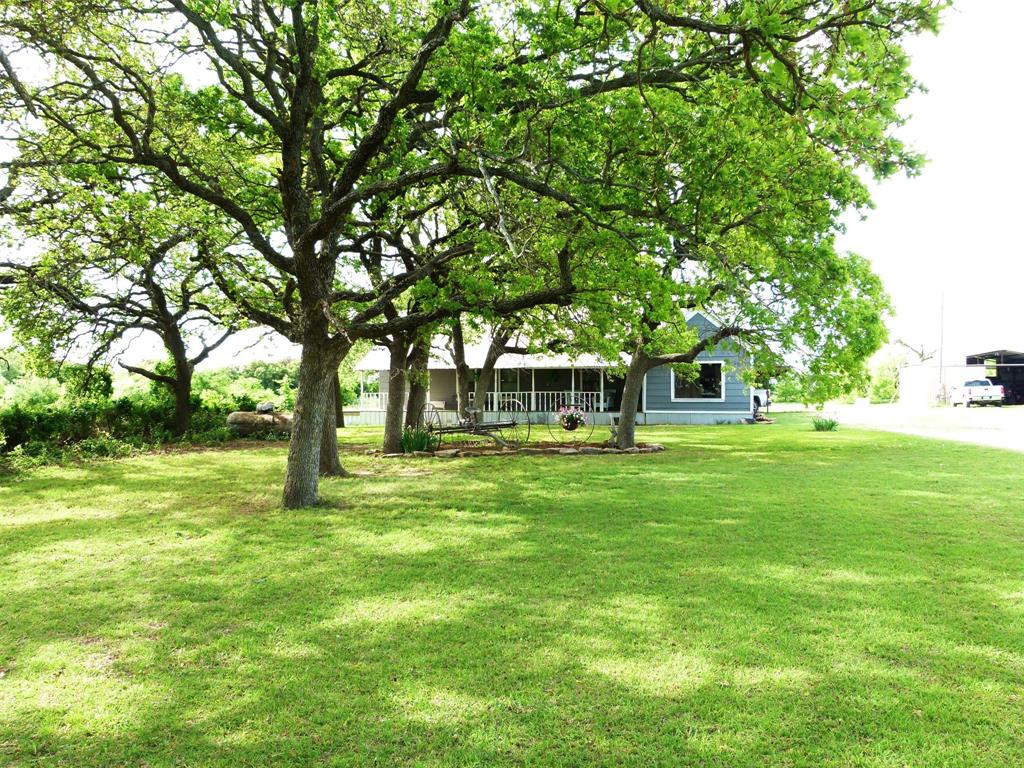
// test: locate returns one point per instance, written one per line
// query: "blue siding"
(737, 394)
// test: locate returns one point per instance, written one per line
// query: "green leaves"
(688, 155)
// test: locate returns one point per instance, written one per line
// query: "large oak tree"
(104, 257)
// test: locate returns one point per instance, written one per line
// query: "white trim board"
(712, 413)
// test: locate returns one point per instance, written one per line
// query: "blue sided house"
(544, 382)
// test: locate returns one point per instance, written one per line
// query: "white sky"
(957, 230)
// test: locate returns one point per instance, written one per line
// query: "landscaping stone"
(246, 423)
(565, 450)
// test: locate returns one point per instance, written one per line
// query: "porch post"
(600, 377)
(497, 391)
(572, 383)
(533, 389)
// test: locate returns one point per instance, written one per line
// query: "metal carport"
(1003, 366)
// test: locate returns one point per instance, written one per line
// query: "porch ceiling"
(378, 359)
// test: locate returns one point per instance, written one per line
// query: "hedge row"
(134, 420)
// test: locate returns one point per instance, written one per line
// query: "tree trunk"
(182, 399)
(631, 391)
(419, 381)
(462, 372)
(300, 484)
(339, 405)
(393, 415)
(330, 462)
(182, 387)
(486, 373)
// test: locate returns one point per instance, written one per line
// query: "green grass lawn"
(753, 596)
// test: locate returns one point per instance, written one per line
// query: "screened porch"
(547, 389)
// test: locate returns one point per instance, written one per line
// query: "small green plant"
(216, 435)
(824, 424)
(100, 447)
(416, 439)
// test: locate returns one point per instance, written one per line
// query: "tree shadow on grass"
(492, 613)
(398, 671)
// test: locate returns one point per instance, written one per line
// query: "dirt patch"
(472, 450)
(232, 445)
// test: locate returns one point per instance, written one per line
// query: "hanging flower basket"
(571, 418)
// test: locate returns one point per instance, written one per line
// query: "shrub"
(823, 424)
(139, 419)
(416, 439)
(56, 425)
(220, 434)
(47, 430)
(101, 447)
(36, 453)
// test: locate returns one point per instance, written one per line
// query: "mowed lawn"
(753, 596)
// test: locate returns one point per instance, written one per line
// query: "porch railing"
(373, 401)
(541, 401)
(546, 401)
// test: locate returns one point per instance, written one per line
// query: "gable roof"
(379, 359)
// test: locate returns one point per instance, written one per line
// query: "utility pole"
(942, 346)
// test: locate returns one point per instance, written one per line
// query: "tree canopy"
(106, 256)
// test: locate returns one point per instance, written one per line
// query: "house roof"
(379, 359)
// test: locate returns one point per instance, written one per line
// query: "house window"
(709, 384)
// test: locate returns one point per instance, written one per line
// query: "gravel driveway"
(994, 427)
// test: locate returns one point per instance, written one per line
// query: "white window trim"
(672, 386)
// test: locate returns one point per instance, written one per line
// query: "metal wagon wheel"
(562, 432)
(514, 420)
(430, 420)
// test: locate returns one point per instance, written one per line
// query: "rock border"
(455, 453)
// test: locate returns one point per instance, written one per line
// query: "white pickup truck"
(762, 398)
(976, 392)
